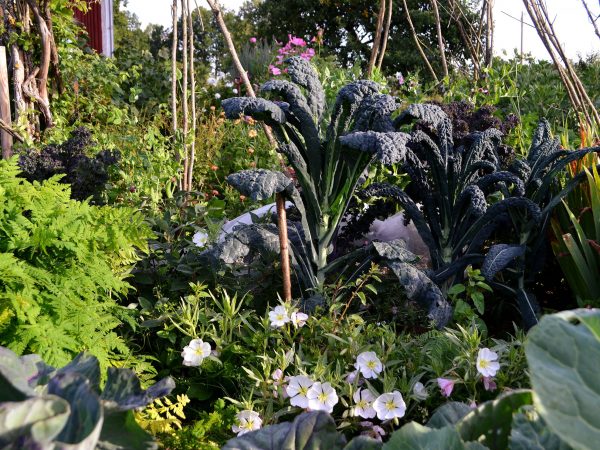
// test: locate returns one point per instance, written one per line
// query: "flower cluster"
(294, 46)
(280, 315)
(487, 365)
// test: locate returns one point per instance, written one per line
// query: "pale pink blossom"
(446, 386)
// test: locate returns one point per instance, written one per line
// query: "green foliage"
(42, 407)
(473, 294)
(577, 244)
(63, 264)
(563, 353)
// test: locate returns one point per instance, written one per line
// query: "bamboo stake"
(376, 39)
(438, 27)
(417, 43)
(190, 175)
(174, 80)
(386, 33)
(5, 116)
(489, 39)
(185, 93)
(283, 247)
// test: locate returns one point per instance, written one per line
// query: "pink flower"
(274, 70)
(308, 54)
(253, 40)
(297, 41)
(473, 405)
(446, 386)
(489, 384)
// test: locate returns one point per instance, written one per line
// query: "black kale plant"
(86, 175)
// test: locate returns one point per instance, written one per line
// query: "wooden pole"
(192, 154)
(174, 80)
(438, 27)
(386, 33)
(216, 9)
(376, 39)
(7, 140)
(417, 43)
(283, 247)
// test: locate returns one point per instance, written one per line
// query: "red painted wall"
(92, 21)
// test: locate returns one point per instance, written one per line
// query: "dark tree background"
(349, 24)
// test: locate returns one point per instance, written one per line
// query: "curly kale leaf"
(389, 148)
(395, 251)
(346, 103)
(374, 113)
(433, 115)
(258, 108)
(260, 184)
(243, 243)
(499, 257)
(302, 73)
(542, 144)
(421, 289)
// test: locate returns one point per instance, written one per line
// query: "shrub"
(63, 265)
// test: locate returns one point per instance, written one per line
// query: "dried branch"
(386, 33)
(591, 17)
(417, 43)
(376, 39)
(15, 134)
(438, 26)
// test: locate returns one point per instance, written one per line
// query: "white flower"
(419, 391)
(279, 316)
(487, 364)
(369, 364)
(389, 406)
(322, 397)
(229, 84)
(234, 90)
(363, 399)
(246, 421)
(217, 96)
(195, 352)
(277, 376)
(298, 319)
(200, 238)
(297, 389)
(212, 81)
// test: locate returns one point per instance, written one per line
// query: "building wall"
(98, 22)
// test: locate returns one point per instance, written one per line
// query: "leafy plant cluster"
(43, 407)
(63, 266)
(545, 417)
(87, 176)
(248, 350)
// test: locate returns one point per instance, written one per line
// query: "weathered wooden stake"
(7, 140)
(283, 247)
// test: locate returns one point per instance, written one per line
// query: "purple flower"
(253, 40)
(489, 384)
(446, 386)
(274, 70)
(399, 77)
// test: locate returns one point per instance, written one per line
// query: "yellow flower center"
(249, 424)
(322, 397)
(390, 405)
(198, 351)
(361, 404)
(371, 364)
(484, 364)
(279, 316)
(303, 390)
